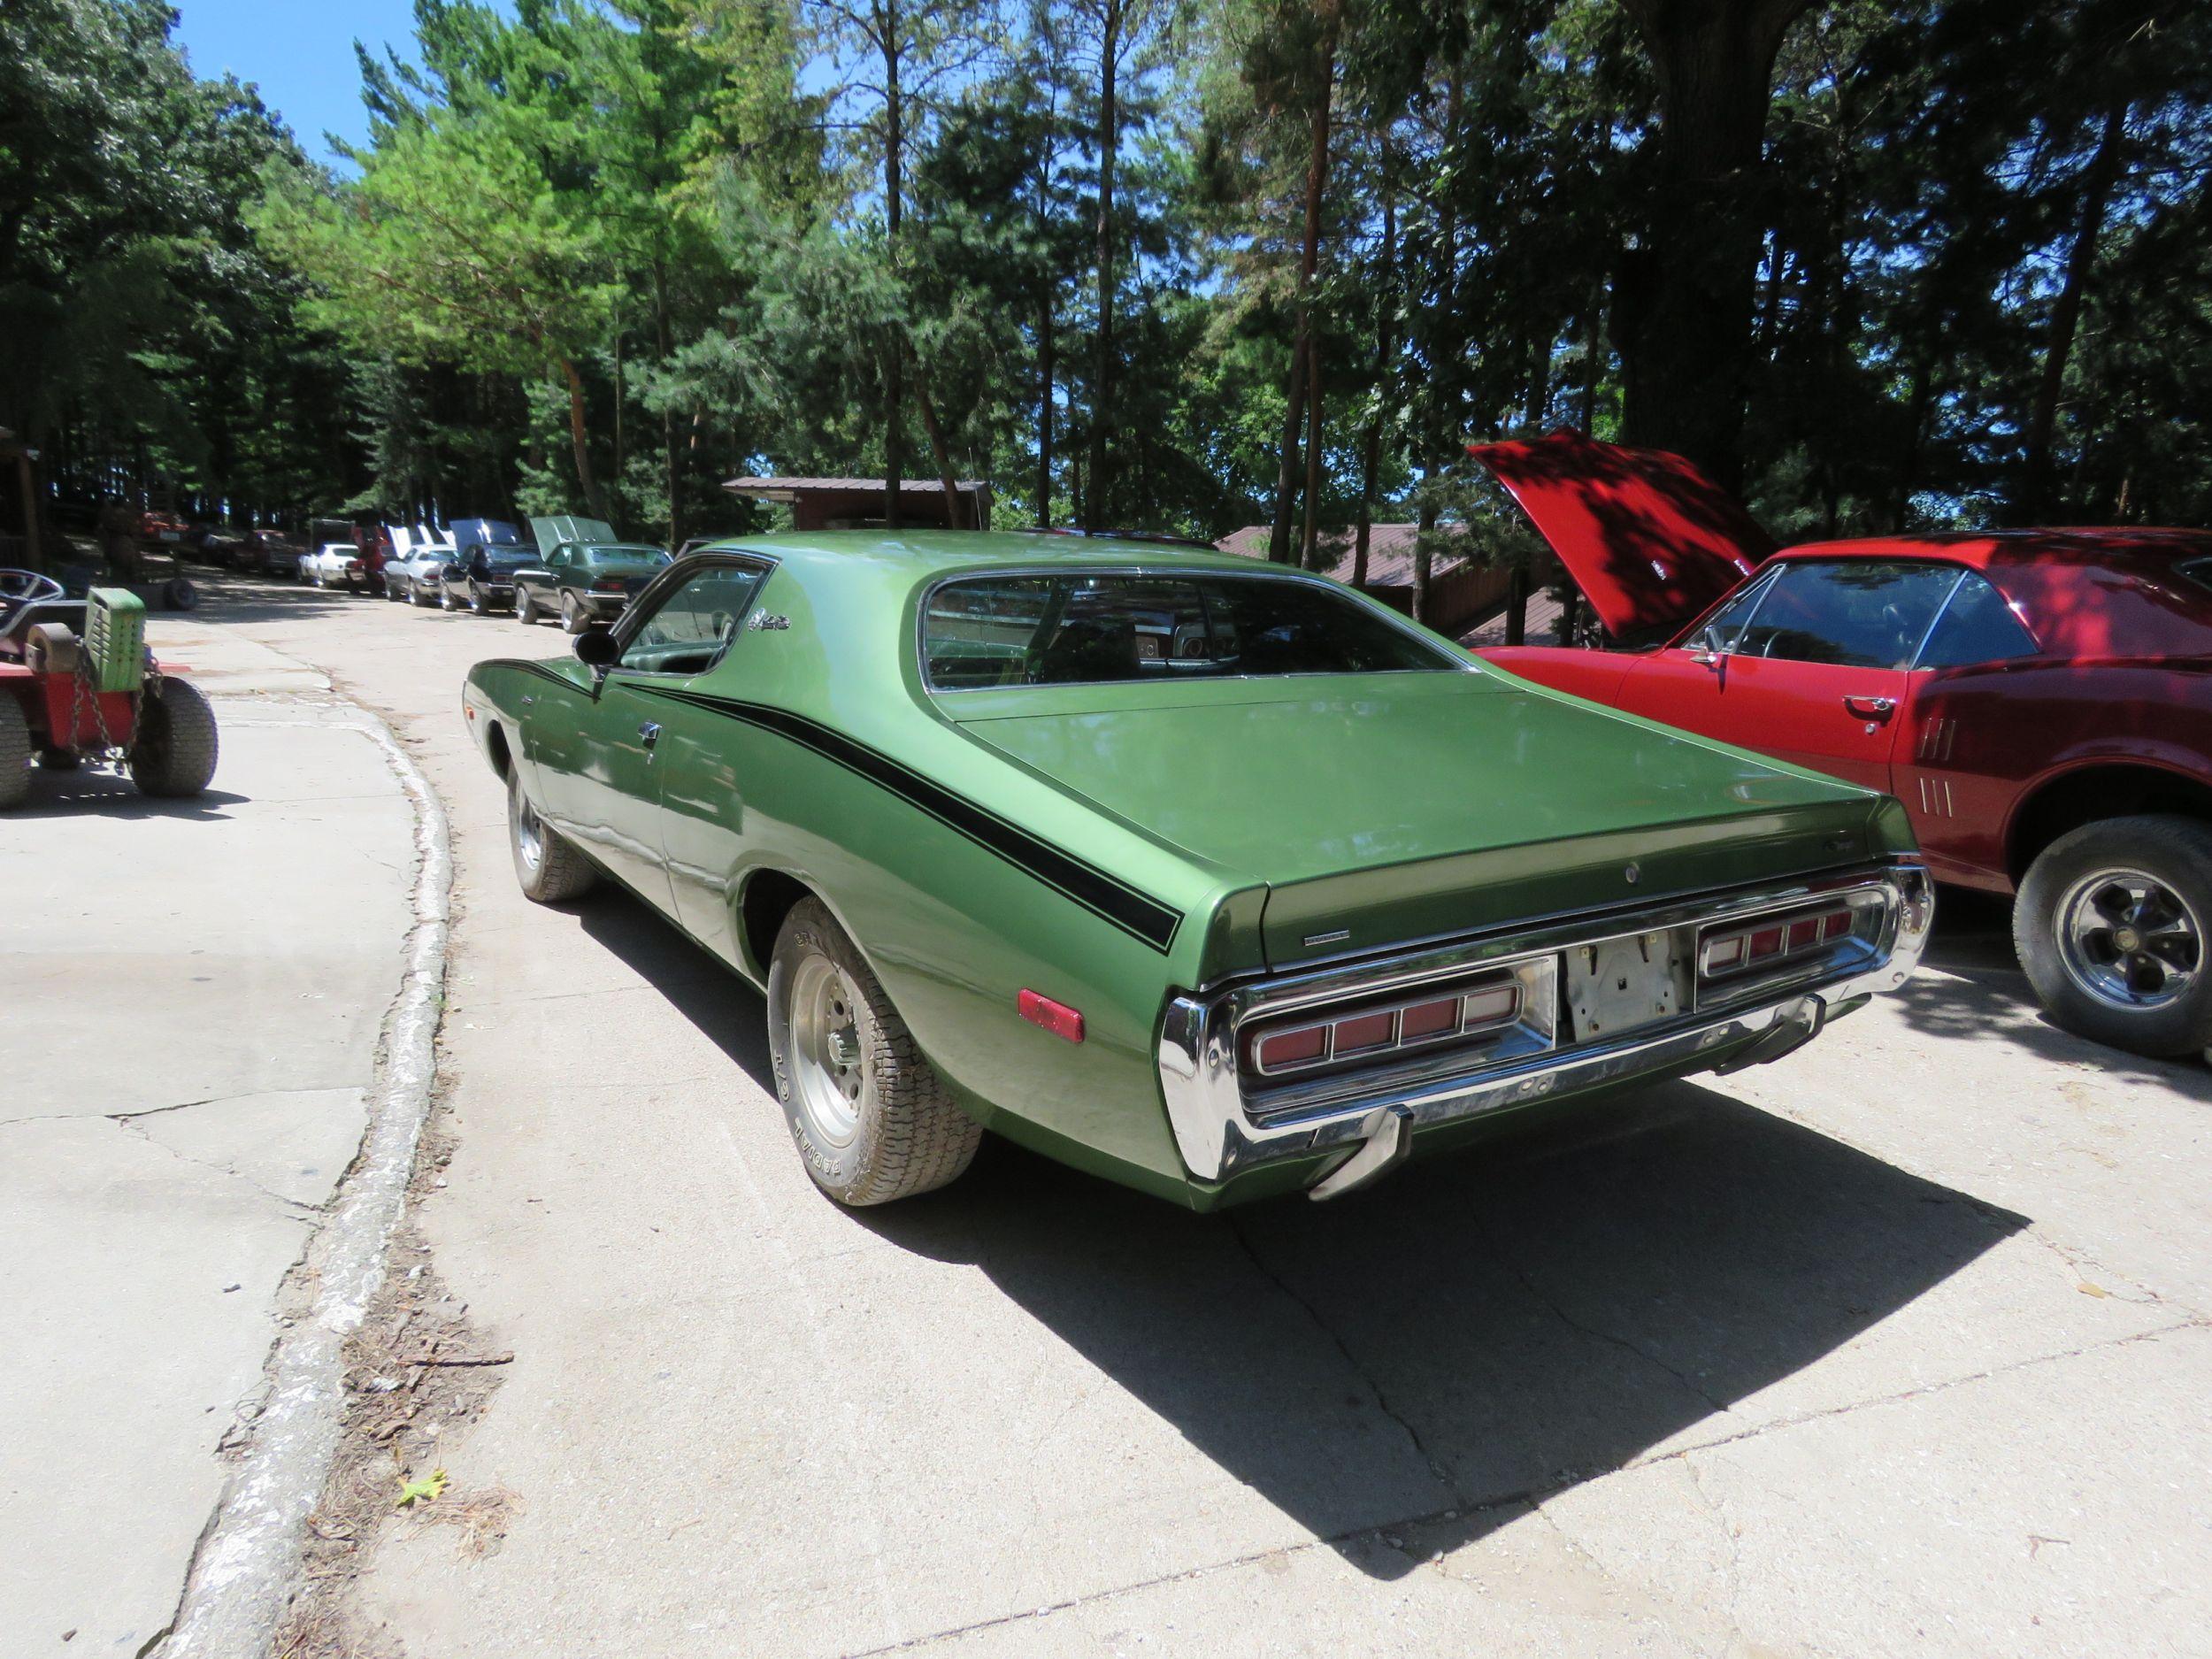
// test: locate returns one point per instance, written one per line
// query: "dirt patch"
(419, 1375)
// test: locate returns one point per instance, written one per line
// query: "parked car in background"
(334, 565)
(1264, 912)
(416, 574)
(2040, 700)
(482, 578)
(584, 583)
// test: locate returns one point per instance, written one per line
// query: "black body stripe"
(1124, 906)
(539, 669)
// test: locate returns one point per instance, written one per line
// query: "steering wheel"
(22, 586)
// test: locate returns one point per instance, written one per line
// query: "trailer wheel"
(15, 752)
(172, 752)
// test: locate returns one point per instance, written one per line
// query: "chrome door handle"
(1876, 709)
(649, 734)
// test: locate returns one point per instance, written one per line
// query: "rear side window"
(1105, 629)
(1977, 626)
(1857, 613)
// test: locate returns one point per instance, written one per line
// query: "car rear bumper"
(1222, 1133)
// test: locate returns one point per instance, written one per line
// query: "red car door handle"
(1870, 707)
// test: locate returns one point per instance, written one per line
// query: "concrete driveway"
(1897, 1347)
(193, 991)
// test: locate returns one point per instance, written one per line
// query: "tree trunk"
(1301, 356)
(593, 499)
(668, 413)
(1516, 605)
(2097, 180)
(1682, 312)
(894, 184)
(1309, 533)
(956, 514)
(1044, 413)
(1108, 139)
(1370, 456)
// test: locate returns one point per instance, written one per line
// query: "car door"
(1811, 663)
(611, 793)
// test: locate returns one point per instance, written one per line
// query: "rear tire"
(572, 618)
(526, 606)
(445, 599)
(2111, 926)
(871, 1120)
(174, 750)
(478, 604)
(549, 867)
(15, 752)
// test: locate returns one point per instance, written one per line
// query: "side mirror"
(596, 650)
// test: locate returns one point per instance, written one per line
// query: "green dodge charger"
(1212, 878)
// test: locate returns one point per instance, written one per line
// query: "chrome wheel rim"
(529, 833)
(2129, 939)
(828, 1067)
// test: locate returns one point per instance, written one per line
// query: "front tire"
(174, 750)
(546, 864)
(871, 1120)
(2111, 927)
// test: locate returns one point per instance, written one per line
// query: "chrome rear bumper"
(1221, 1130)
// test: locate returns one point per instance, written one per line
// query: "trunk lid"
(1650, 540)
(1385, 808)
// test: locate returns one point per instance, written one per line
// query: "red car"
(2040, 700)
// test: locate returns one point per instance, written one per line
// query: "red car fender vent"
(1056, 1017)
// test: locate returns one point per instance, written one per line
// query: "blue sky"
(300, 54)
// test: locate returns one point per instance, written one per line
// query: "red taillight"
(1056, 1017)
(1287, 1049)
(607, 585)
(1372, 1033)
(1732, 950)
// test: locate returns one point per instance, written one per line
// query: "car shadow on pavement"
(1476, 1331)
(105, 793)
(726, 1010)
(1400, 1370)
(1979, 994)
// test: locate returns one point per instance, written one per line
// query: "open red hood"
(1650, 539)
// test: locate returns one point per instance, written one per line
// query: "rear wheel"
(478, 604)
(871, 1120)
(417, 597)
(172, 752)
(549, 867)
(525, 605)
(445, 599)
(2111, 926)
(573, 621)
(15, 752)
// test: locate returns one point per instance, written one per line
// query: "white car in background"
(334, 563)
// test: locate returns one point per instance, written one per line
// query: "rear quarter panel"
(1983, 741)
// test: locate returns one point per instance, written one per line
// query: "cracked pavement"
(1898, 1346)
(193, 991)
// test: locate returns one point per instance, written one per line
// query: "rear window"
(623, 556)
(1109, 629)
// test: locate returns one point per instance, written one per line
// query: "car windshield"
(1100, 629)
